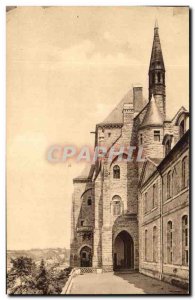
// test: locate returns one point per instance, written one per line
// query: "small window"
(169, 242)
(116, 172)
(82, 223)
(182, 128)
(184, 173)
(146, 203)
(169, 185)
(141, 139)
(157, 135)
(185, 241)
(89, 201)
(109, 134)
(159, 77)
(167, 147)
(154, 196)
(153, 78)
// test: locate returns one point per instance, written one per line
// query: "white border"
(3, 4)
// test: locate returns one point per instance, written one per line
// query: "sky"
(67, 68)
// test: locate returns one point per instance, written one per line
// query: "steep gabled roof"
(153, 116)
(116, 115)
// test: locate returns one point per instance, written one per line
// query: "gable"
(148, 169)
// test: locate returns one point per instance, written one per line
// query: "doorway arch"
(123, 256)
(85, 257)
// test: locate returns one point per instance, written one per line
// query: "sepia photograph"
(98, 150)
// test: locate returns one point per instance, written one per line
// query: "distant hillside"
(50, 255)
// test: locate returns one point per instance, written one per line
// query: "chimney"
(128, 113)
(138, 102)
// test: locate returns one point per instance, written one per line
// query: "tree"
(42, 279)
(20, 279)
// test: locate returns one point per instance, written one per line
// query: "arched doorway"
(123, 256)
(85, 257)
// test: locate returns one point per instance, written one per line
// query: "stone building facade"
(131, 214)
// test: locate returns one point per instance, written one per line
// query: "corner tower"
(157, 73)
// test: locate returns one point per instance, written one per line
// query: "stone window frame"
(156, 134)
(169, 184)
(170, 242)
(89, 201)
(116, 199)
(185, 240)
(146, 244)
(116, 172)
(184, 172)
(154, 242)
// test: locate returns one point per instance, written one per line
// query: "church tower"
(157, 73)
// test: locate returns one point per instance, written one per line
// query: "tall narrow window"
(185, 241)
(155, 244)
(116, 205)
(184, 173)
(167, 147)
(182, 128)
(145, 202)
(146, 245)
(159, 77)
(154, 196)
(116, 172)
(157, 135)
(141, 139)
(89, 201)
(169, 242)
(169, 185)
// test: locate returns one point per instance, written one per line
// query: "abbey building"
(135, 215)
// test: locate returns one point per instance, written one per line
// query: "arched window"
(167, 147)
(116, 206)
(185, 240)
(182, 128)
(184, 173)
(116, 172)
(155, 244)
(146, 245)
(169, 185)
(169, 242)
(145, 202)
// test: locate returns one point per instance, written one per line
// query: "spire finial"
(156, 24)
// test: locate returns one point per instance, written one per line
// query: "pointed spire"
(156, 56)
(153, 116)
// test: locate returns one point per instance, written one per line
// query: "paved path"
(109, 283)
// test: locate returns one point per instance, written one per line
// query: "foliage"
(25, 277)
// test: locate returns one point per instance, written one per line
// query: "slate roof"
(153, 115)
(156, 55)
(116, 115)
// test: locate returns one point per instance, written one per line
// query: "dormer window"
(157, 135)
(167, 147)
(182, 128)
